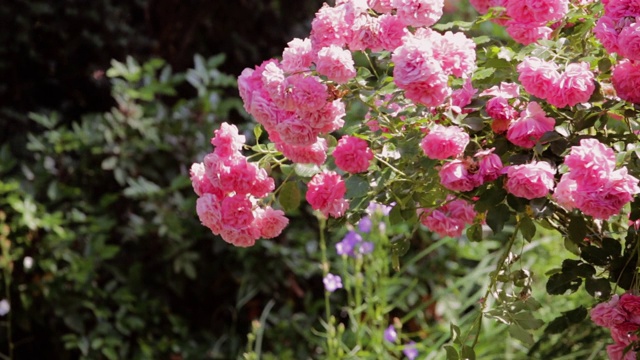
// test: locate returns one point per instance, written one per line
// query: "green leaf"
(559, 283)
(452, 353)
(497, 217)
(357, 186)
(306, 170)
(289, 196)
(257, 131)
(521, 334)
(598, 287)
(577, 229)
(474, 232)
(400, 246)
(483, 73)
(468, 353)
(527, 228)
(527, 321)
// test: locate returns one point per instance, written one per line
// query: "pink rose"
(455, 176)
(456, 53)
(297, 56)
(244, 237)
(623, 333)
(381, 6)
(575, 85)
(432, 92)
(209, 212)
(606, 199)
(325, 193)
(200, 182)
(630, 37)
(463, 96)
(270, 222)
(295, 131)
(626, 80)
(336, 64)
(605, 31)
(444, 141)
(308, 93)
(608, 314)
(329, 27)
(227, 140)
(352, 154)
(414, 62)
(537, 12)
(489, 165)
(264, 110)
(329, 118)
(617, 352)
(538, 77)
(498, 108)
(526, 33)
(591, 162)
(449, 219)
(419, 13)
(236, 212)
(529, 128)
(390, 31)
(564, 192)
(530, 181)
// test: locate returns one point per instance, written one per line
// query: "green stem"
(325, 271)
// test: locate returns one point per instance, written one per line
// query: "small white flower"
(27, 262)
(4, 307)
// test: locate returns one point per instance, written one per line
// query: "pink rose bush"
(449, 219)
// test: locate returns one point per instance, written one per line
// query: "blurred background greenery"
(103, 256)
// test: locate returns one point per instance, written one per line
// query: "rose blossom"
(626, 80)
(575, 85)
(616, 352)
(444, 141)
(297, 56)
(456, 53)
(529, 128)
(591, 161)
(607, 199)
(463, 96)
(608, 314)
(455, 176)
(200, 182)
(419, 13)
(329, 27)
(391, 30)
(336, 64)
(538, 76)
(325, 193)
(208, 209)
(352, 154)
(489, 165)
(315, 153)
(530, 181)
(308, 93)
(564, 192)
(525, 33)
(605, 31)
(227, 140)
(630, 37)
(270, 222)
(538, 11)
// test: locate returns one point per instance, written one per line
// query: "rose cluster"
(450, 219)
(621, 315)
(229, 188)
(619, 32)
(592, 184)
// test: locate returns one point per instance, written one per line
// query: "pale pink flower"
(575, 85)
(236, 212)
(364, 34)
(293, 130)
(336, 64)
(537, 12)
(419, 13)
(328, 119)
(498, 108)
(270, 222)
(489, 165)
(297, 56)
(262, 185)
(414, 62)
(200, 182)
(564, 192)
(264, 110)
(529, 128)
(591, 162)
(352, 154)
(244, 237)
(530, 181)
(455, 176)
(538, 77)
(273, 81)
(626, 80)
(463, 96)
(444, 141)
(312, 154)
(432, 92)
(605, 31)
(250, 81)
(236, 175)
(456, 53)
(227, 140)
(525, 33)
(329, 27)
(209, 212)
(308, 93)
(326, 192)
(505, 90)
(391, 30)
(608, 198)
(381, 6)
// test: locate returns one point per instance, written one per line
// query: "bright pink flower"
(432, 92)
(264, 110)
(631, 304)
(591, 162)
(237, 175)
(564, 192)
(575, 85)
(455, 176)
(630, 37)
(483, 6)
(608, 314)
(605, 31)
(328, 119)
(391, 30)
(273, 78)
(525, 33)
(244, 237)
(617, 352)
(456, 53)
(463, 96)
(326, 193)
(622, 8)
(250, 81)
(200, 182)
(381, 6)
(336, 64)
(352, 154)
(529, 128)
(270, 222)
(498, 108)
(308, 93)
(506, 90)
(444, 141)
(449, 219)
(297, 56)
(607, 199)
(489, 165)
(530, 181)
(414, 62)
(209, 212)
(537, 12)
(313, 154)
(236, 212)
(623, 333)
(626, 80)
(227, 140)
(329, 27)
(538, 77)
(419, 13)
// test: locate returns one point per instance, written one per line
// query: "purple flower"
(380, 208)
(366, 247)
(390, 334)
(410, 351)
(364, 225)
(332, 282)
(348, 244)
